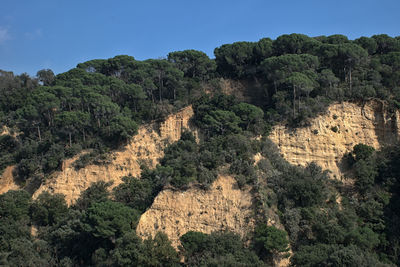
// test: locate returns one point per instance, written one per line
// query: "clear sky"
(58, 34)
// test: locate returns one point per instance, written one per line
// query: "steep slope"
(222, 207)
(332, 135)
(7, 180)
(145, 147)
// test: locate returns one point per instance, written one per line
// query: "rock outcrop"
(145, 147)
(222, 207)
(330, 136)
(7, 180)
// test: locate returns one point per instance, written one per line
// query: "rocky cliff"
(222, 207)
(332, 135)
(145, 147)
(7, 180)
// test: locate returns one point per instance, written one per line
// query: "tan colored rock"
(7, 180)
(222, 207)
(370, 124)
(145, 147)
(7, 131)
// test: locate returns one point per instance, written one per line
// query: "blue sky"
(58, 34)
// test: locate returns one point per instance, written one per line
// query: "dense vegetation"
(99, 105)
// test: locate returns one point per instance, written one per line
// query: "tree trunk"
(298, 104)
(40, 137)
(350, 82)
(70, 139)
(294, 101)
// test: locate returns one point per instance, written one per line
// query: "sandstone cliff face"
(6, 177)
(222, 207)
(7, 180)
(335, 133)
(146, 146)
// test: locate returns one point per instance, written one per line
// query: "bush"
(269, 240)
(48, 209)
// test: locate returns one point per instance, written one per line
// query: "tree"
(277, 69)
(46, 103)
(391, 71)
(262, 50)
(167, 78)
(269, 240)
(71, 122)
(46, 77)
(235, 60)
(159, 251)
(217, 249)
(368, 44)
(299, 82)
(222, 122)
(97, 192)
(136, 193)
(194, 64)
(24, 252)
(386, 44)
(120, 128)
(328, 80)
(129, 250)
(362, 152)
(249, 114)
(109, 220)
(351, 55)
(337, 39)
(48, 209)
(14, 205)
(294, 44)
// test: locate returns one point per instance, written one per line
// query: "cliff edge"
(223, 207)
(331, 135)
(147, 146)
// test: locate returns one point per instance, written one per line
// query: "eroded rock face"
(145, 147)
(7, 180)
(335, 133)
(222, 207)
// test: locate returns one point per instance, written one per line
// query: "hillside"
(332, 135)
(146, 147)
(277, 152)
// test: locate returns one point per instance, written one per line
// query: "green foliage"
(134, 192)
(97, 192)
(222, 122)
(334, 129)
(109, 220)
(235, 60)
(48, 209)
(365, 173)
(222, 115)
(100, 104)
(8, 145)
(159, 251)
(194, 64)
(362, 152)
(301, 187)
(128, 250)
(15, 205)
(269, 240)
(333, 255)
(216, 249)
(24, 252)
